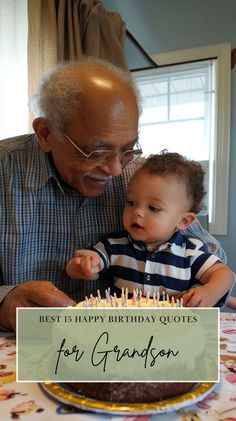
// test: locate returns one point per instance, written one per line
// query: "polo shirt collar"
(176, 244)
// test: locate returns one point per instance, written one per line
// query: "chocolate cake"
(128, 392)
(131, 392)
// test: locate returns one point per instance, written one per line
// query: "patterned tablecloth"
(26, 401)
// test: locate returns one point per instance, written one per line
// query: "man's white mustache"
(98, 177)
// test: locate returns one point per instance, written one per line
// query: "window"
(186, 109)
(13, 68)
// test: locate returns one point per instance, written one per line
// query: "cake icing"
(137, 300)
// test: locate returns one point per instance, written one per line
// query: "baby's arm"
(216, 282)
(86, 264)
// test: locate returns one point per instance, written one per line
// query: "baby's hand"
(85, 264)
(198, 297)
(89, 262)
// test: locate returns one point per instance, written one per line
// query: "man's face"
(107, 119)
(90, 179)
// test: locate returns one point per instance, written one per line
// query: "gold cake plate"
(68, 397)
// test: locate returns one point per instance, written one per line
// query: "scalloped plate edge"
(60, 393)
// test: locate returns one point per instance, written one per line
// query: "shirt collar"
(41, 168)
(38, 170)
(176, 244)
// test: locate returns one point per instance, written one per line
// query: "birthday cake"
(137, 300)
(131, 392)
(128, 392)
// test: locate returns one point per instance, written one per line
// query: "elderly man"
(63, 187)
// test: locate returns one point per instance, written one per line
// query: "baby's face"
(156, 207)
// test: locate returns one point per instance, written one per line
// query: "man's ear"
(186, 219)
(42, 129)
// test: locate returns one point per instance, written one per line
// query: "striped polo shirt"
(175, 266)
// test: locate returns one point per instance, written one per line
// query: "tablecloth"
(26, 401)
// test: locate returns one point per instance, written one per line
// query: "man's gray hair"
(58, 94)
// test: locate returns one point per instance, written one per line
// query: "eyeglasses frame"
(138, 152)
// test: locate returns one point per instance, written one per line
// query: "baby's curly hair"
(186, 171)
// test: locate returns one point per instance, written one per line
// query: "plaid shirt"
(43, 220)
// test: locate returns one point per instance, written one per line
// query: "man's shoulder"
(15, 144)
(23, 163)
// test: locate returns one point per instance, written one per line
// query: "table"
(26, 401)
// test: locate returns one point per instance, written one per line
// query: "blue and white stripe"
(175, 266)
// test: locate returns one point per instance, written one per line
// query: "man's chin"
(93, 191)
(90, 186)
(95, 187)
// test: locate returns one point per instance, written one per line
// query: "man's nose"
(113, 167)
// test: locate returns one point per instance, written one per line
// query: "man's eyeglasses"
(101, 156)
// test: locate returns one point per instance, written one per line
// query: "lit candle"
(122, 300)
(107, 296)
(86, 302)
(91, 300)
(116, 300)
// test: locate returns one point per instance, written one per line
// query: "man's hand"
(31, 294)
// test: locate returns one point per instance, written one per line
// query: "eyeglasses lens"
(107, 156)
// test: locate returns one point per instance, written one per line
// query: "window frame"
(220, 158)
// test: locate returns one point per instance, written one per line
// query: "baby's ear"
(186, 220)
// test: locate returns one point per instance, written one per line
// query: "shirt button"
(148, 277)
